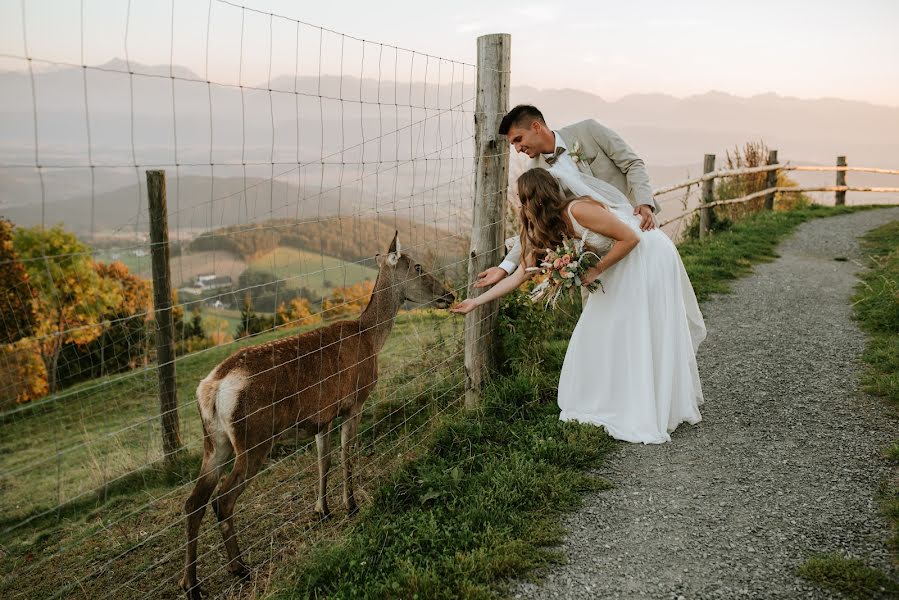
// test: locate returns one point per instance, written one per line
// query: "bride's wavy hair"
(542, 204)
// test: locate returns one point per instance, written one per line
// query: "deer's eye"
(418, 269)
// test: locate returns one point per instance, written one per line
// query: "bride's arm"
(602, 221)
(499, 290)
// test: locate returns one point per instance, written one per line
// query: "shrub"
(347, 301)
(23, 376)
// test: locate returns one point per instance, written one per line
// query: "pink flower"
(567, 274)
(557, 264)
(566, 259)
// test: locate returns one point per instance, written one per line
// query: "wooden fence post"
(708, 195)
(162, 303)
(771, 181)
(491, 187)
(840, 196)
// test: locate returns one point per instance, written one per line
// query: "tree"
(195, 328)
(348, 301)
(250, 322)
(123, 342)
(23, 377)
(296, 313)
(17, 318)
(70, 296)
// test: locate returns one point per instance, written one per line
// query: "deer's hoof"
(191, 588)
(324, 513)
(239, 569)
(193, 592)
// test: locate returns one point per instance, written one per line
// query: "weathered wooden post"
(708, 195)
(771, 181)
(491, 183)
(162, 303)
(840, 195)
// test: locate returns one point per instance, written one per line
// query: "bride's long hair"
(542, 204)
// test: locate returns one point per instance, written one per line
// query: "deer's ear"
(391, 259)
(395, 244)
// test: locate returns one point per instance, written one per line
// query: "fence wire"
(292, 154)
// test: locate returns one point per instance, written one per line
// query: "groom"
(595, 151)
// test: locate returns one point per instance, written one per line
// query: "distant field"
(185, 268)
(311, 270)
(298, 268)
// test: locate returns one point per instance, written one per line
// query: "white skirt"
(631, 362)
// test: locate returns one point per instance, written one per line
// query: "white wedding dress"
(631, 362)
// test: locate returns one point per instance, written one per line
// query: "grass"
(850, 577)
(108, 511)
(877, 310)
(316, 272)
(454, 502)
(876, 305)
(482, 504)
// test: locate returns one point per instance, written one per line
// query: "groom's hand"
(490, 276)
(646, 220)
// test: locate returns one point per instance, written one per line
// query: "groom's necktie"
(551, 159)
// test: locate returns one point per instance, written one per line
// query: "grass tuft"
(849, 576)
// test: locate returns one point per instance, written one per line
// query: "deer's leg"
(323, 445)
(215, 454)
(246, 465)
(348, 431)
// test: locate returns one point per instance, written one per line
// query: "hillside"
(315, 272)
(349, 238)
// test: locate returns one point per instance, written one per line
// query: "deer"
(306, 380)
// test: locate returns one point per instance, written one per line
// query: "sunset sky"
(826, 48)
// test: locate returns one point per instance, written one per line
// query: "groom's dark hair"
(520, 116)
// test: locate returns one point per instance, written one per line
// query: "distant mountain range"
(304, 119)
(673, 131)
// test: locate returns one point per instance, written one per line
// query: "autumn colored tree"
(123, 341)
(23, 377)
(70, 296)
(22, 374)
(347, 302)
(217, 330)
(17, 318)
(296, 313)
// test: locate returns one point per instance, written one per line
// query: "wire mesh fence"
(292, 154)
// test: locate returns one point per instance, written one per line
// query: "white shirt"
(564, 161)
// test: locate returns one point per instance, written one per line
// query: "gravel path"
(783, 466)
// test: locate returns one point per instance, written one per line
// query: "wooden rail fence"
(710, 175)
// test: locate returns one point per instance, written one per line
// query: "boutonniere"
(576, 154)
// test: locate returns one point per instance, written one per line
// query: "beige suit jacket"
(607, 160)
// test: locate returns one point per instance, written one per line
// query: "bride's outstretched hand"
(465, 307)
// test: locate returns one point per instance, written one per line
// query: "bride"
(631, 361)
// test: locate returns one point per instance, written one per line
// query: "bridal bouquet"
(564, 268)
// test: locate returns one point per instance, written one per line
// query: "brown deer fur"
(308, 379)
